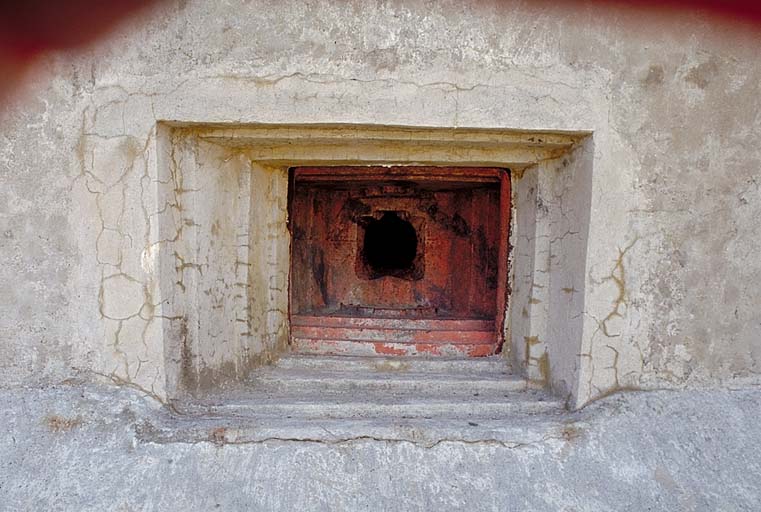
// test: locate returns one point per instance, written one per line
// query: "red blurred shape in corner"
(30, 27)
(745, 11)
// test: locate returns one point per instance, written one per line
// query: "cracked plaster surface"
(673, 105)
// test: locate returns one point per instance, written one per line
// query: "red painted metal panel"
(444, 300)
(321, 346)
(394, 335)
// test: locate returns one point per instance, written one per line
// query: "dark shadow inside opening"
(390, 245)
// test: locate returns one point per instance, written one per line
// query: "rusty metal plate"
(405, 243)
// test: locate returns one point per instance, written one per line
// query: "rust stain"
(428, 348)
(218, 436)
(570, 433)
(481, 350)
(388, 350)
(544, 368)
(530, 341)
(58, 423)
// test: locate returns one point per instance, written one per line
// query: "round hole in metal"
(390, 244)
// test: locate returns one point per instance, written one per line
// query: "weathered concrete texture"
(670, 266)
(692, 450)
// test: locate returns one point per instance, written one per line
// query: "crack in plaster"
(218, 437)
(317, 78)
(617, 276)
(112, 219)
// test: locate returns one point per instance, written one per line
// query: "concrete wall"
(669, 267)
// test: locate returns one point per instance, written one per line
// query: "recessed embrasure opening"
(390, 245)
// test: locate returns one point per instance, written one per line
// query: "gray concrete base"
(87, 447)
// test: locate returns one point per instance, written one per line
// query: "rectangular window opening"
(398, 260)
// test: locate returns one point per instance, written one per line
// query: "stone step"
(373, 405)
(495, 365)
(407, 383)
(377, 388)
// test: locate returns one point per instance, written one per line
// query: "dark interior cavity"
(390, 244)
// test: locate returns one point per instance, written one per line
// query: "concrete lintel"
(373, 144)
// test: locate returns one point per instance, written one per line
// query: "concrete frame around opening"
(224, 259)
